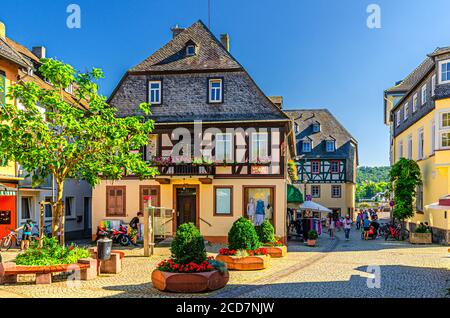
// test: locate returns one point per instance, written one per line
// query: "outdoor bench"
(9, 271)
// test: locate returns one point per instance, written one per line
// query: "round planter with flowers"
(266, 233)
(244, 252)
(189, 270)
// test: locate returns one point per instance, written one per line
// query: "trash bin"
(104, 247)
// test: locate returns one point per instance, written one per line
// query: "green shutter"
(2, 89)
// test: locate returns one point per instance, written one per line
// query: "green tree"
(405, 176)
(70, 142)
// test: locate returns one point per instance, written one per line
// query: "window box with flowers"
(244, 252)
(189, 270)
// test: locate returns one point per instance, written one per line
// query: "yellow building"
(418, 113)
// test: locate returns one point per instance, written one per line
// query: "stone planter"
(421, 238)
(249, 263)
(189, 282)
(311, 243)
(276, 251)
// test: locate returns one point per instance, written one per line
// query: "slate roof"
(418, 73)
(8, 51)
(331, 129)
(172, 57)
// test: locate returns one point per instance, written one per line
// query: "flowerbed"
(205, 266)
(243, 253)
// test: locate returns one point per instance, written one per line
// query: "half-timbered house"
(219, 142)
(327, 158)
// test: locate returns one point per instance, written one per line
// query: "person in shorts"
(27, 228)
(366, 225)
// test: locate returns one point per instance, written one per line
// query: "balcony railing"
(187, 170)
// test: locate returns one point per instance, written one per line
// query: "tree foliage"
(69, 141)
(405, 176)
(188, 245)
(372, 174)
(369, 189)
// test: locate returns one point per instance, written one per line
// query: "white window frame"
(226, 144)
(47, 218)
(187, 50)
(306, 142)
(441, 139)
(333, 145)
(405, 112)
(333, 187)
(260, 146)
(398, 117)
(420, 144)
(400, 150)
(441, 119)
(159, 90)
(316, 187)
(424, 94)
(72, 207)
(433, 85)
(415, 102)
(31, 206)
(441, 63)
(212, 90)
(410, 147)
(433, 137)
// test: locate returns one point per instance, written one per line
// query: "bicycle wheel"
(7, 243)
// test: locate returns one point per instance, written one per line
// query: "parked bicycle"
(13, 239)
(396, 232)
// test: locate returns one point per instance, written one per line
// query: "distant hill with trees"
(370, 181)
(374, 174)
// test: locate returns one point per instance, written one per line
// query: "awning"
(315, 207)
(294, 195)
(7, 191)
(442, 204)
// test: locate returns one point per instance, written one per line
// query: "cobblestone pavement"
(332, 269)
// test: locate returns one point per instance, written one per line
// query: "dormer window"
(190, 50)
(306, 146)
(297, 128)
(316, 127)
(330, 145)
(215, 90)
(69, 89)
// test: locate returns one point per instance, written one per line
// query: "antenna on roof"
(209, 14)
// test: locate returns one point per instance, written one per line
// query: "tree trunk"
(59, 213)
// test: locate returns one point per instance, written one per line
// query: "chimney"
(225, 39)
(176, 30)
(2, 30)
(39, 51)
(277, 100)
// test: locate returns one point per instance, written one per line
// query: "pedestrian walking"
(347, 227)
(366, 225)
(358, 221)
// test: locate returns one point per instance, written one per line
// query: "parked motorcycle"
(120, 236)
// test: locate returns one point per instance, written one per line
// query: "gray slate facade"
(185, 84)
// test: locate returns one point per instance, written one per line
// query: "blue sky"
(316, 53)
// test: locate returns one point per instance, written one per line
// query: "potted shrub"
(244, 250)
(421, 235)
(312, 238)
(266, 233)
(189, 270)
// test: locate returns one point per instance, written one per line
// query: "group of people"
(334, 222)
(368, 220)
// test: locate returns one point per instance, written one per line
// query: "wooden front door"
(186, 206)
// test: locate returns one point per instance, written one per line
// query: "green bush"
(422, 229)
(188, 245)
(266, 232)
(51, 254)
(312, 235)
(243, 236)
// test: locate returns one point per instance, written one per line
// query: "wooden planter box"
(420, 238)
(189, 282)
(276, 251)
(249, 263)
